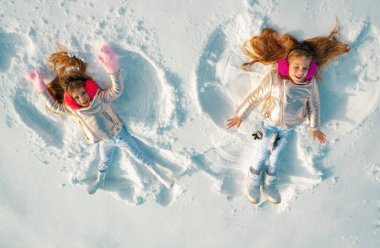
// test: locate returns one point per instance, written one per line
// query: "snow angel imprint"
(288, 95)
(74, 92)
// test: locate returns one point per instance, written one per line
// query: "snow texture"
(180, 61)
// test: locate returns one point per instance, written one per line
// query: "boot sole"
(91, 189)
(269, 199)
(253, 202)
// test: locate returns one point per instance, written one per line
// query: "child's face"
(298, 68)
(81, 97)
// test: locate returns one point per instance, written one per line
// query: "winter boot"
(269, 189)
(253, 186)
(98, 183)
(168, 183)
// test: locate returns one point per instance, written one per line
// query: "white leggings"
(127, 143)
(271, 147)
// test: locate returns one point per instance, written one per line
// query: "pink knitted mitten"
(107, 59)
(37, 80)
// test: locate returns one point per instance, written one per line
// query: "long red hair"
(70, 73)
(270, 46)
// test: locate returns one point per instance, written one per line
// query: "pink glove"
(108, 60)
(37, 80)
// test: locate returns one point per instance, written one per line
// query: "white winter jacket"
(99, 121)
(285, 103)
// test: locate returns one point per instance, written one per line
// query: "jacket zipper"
(282, 122)
(88, 128)
(108, 117)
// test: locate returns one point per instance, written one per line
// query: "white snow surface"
(180, 63)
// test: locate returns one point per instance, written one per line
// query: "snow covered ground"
(180, 62)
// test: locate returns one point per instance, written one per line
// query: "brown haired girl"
(289, 95)
(74, 92)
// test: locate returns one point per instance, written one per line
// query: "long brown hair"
(68, 69)
(269, 47)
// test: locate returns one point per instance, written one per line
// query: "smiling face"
(298, 68)
(81, 97)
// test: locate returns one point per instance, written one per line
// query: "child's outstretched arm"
(108, 60)
(321, 137)
(234, 121)
(36, 78)
(251, 101)
(314, 114)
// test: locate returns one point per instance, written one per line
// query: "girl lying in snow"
(75, 93)
(289, 95)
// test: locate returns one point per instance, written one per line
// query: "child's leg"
(269, 186)
(106, 150)
(269, 135)
(128, 143)
(254, 174)
(277, 151)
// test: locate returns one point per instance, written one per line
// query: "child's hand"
(37, 80)
(235, 121)
(319, 135)
(108, 59)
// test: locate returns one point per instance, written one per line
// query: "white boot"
(168, 183)
(269, 189)
(98, 183)
(253, 186)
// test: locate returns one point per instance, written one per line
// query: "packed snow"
(180, 61)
